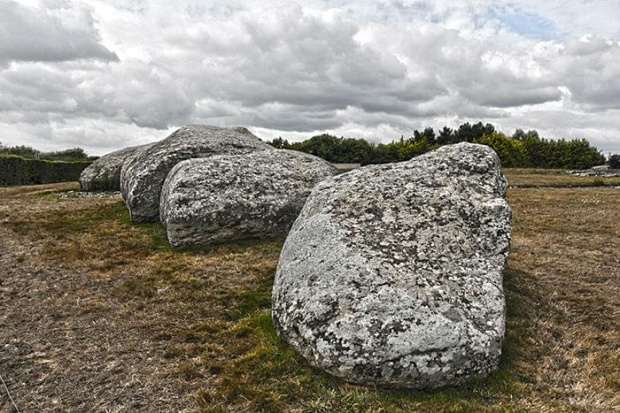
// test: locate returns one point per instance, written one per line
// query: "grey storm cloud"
(108, 74)
(506, 96)
(28, 34)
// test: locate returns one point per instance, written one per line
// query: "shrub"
(614, 161)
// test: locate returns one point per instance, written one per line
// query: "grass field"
(97, 314)
(555, 178)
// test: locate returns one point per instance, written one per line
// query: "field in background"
(98, 314)
(555, 177)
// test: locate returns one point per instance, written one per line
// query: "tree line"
(522, 149)
(67, 155)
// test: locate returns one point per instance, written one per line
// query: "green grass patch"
(260, 372)
(257, 371)
(249, 302)
(256, 245)
(154, 230)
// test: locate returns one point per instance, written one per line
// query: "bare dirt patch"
(100, 315)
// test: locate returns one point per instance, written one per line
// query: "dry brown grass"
(124, 323)
(566, 247)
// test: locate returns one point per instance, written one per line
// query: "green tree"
(446, 135)
(279, 143)
(511, 151)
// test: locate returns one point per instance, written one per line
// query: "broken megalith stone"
(142, 176)
(392, 274)
(104, 174)
(233, 197)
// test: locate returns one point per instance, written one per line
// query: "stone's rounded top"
(308, 161)
(199, 141)
(239, 172)
(436, 182)
(196, 130)
(392, 274)
(104, 173)
(143, 176)
(463, 161)
(231, 197)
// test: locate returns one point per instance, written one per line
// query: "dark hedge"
(15, 170)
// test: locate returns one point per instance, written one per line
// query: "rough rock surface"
(84, 195)
(392, 274)
(105, 173)
(600, 168)
(609, 173)
(232, 197)
(143, 176)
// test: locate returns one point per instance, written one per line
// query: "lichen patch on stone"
(392, 274)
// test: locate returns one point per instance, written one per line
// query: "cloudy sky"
(107, 74)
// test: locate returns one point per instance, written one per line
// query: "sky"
(103, 75)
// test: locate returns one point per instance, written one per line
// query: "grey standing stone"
(143, 175)
(392, 274)
(104, 174)
(233, 197)
(601, 168)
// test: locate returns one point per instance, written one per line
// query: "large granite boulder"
(392, 274)
(233, 197)
(142, 176)
(104, 174)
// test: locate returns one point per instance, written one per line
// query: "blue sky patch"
(528, 25)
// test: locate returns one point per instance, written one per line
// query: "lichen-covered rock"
(392, 274)
(142, 176)
(105, 173)
(232, 197)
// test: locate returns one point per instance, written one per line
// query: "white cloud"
(103, 75)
